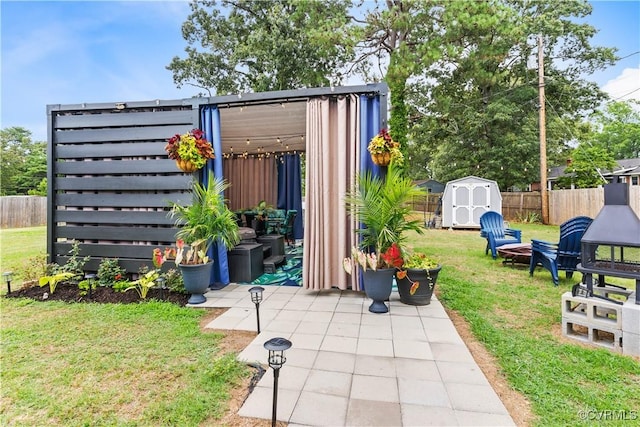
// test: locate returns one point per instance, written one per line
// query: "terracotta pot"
(186, 166)
(381, 159)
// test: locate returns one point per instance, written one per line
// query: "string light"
(248, 142)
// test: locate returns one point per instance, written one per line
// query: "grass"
(138, 364)
(518, 319)
(18, 246)
(92, 364)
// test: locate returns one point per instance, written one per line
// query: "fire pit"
(610, 248)
(611, 245)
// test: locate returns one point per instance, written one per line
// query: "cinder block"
(595, 310)
(631, 316)
(587, 332)
(569, 330)
(630, 344)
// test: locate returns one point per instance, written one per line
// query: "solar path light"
(90, 277)
(7, 278)
(276, 347)
(162, 285)
(256, 298)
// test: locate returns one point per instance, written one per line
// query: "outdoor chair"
(286, 228)
(564, 255)
(492, 228)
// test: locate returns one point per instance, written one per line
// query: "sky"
(73, 52)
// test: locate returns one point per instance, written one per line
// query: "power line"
(631, 54)
(622, 96)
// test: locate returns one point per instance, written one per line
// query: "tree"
(618, 129)
(476, 109)
(263, 45)
(587, 163)
(23, 163)
(463, 98)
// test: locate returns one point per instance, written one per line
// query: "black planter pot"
(427, 280)
(377, 286)
(196, 280)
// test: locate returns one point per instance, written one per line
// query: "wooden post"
(543, 136)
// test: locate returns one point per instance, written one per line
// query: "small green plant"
(145, 282)
(54, 279)
(75, 264)
(109, 272)
(528, 217)
(121, 285)
(32, 269)
(173, 281)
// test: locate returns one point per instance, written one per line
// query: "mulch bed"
(68, 292)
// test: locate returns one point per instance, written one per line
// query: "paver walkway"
(350, 367)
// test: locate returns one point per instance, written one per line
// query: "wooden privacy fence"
(563, 204)
(521, 205)
(23, 211)
(566, 204)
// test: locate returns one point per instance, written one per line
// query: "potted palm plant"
(381, 207)
(205, 220)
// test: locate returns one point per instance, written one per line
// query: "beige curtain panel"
(251, 180)
(332, 162)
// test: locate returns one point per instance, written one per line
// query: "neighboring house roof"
(625, 167)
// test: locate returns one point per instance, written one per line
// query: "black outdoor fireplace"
(611, 244)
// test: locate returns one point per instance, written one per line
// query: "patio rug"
(290, 274)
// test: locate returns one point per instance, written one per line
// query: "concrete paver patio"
(350, 367)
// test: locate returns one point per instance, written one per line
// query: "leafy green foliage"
(23, 162)
(380, 205)
(145, 282)
(109, 272)
(586, 167)
(618, 126)
(173, 280)
(261, 46)
(54, 279)
(475, 112)
(75, 264)
(206, 219)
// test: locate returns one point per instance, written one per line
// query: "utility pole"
(543, 136)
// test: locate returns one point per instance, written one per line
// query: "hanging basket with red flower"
(190, 150)
(384, 149)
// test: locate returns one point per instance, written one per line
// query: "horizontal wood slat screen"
(110, 180)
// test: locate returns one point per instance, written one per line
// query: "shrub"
(109, 272)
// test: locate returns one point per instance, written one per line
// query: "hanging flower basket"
(381, 159)
(384, 149)
(190, 150)
(186, 165)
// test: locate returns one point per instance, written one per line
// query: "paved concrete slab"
(350, 367)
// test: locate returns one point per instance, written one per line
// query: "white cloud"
(626, 86)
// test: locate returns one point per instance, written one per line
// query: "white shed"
(466, 199)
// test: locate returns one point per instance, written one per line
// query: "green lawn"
(137, 364)
(18, 248)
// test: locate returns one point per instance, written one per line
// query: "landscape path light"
(7, 278)
(90, 277)
(256, 298)
(162, 285)
(277, 347)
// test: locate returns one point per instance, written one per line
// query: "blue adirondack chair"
(564, 255)
(492, 228)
